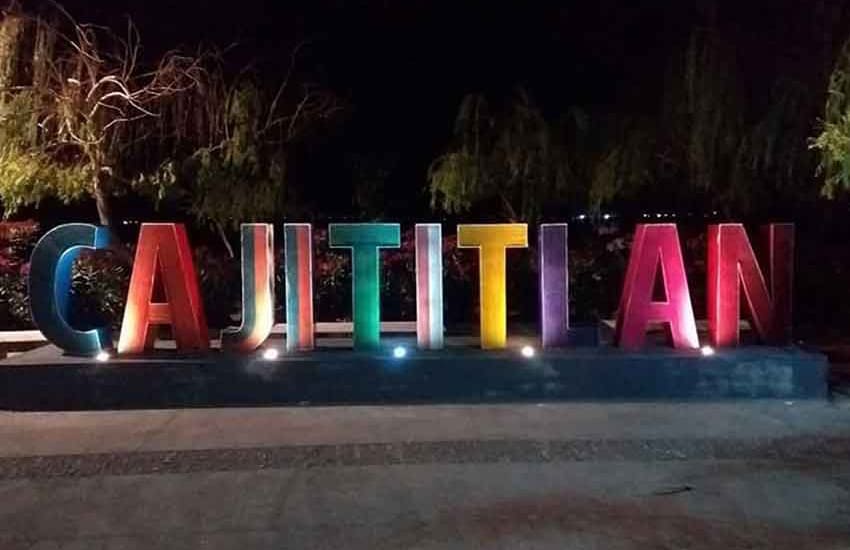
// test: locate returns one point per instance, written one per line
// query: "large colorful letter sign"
(365, 241)
(656, 245)
(429, 286)
(492, 240)
(732, 264)
(163, 254)
(298, 243)
(554, 285)
(50, 286)
(257, 290)
(164, 287)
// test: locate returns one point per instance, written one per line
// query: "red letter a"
(654, 245)
(163, 254)
(732, 265)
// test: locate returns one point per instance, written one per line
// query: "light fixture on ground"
(270, 354)
(102, 356)
(707, 351)
(399, 352)
(527, 352)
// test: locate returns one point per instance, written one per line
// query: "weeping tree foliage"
(833, 142)
(77, 100)
(712, 143)
(512, 155)
(734, 147)
(230, 164)
(740, 107)
(85, 116)
(28, 173)
(618, 159)
(729, 132)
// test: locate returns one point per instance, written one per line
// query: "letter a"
(654, 245)
(163, 254)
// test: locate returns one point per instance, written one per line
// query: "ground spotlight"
(270, 354)
(527, 352)
(707, 351)
(102, 356)
(399, 352)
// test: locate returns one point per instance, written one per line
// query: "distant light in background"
(399, 352)
(527, 352)
(707, 351)
(102, 356)
(270, 354)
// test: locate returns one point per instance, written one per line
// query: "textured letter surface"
(429, 286)
(163, 255)
(732, 266)
(50, 286)
(492, 240)
(656, 245)
(554, 285)
(365, 241)
(257, 290)
(298, 244)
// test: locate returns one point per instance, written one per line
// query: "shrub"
(16, 242)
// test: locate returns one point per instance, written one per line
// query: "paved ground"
(758, 474)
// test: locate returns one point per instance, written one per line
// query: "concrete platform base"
(44, 379)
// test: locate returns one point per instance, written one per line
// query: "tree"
(83, 103)
(513, 155)
(231, 164)
(736, 149)
(833, 142)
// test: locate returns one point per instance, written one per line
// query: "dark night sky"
(403, 66)
(426, 54)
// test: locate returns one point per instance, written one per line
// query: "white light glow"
(270, 354)
(527, 352)
(102, 356)
(707, 351)
(399, 352)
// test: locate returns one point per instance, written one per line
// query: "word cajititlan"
(163, 257)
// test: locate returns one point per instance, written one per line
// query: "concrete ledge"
(46, 380)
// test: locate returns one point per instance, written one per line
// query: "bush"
(16, 242)
(98, 290)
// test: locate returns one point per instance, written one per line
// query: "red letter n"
(732, 265)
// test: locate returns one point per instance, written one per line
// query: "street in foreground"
(760, 474)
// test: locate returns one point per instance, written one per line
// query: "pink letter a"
(654, 245)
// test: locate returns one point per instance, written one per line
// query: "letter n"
(732, 265)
